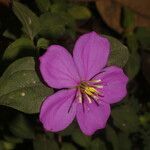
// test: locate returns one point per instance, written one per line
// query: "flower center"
(89, 90)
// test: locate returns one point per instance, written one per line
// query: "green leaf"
(133, 65)
(43, 43)
(125, 118)
(79, 12)
(80, 138)
(145, 119)
(52, 25)
(124, 141)
(143, 36)
(68, 146)
(21, 128)
(132, 42)
(128, 18)
(6, 145)
(9, 35)
(97, 144)
(20, 47)
(58, 7)
(21, 88)
(28, 19)
(112, 137)
(119, 53)
(43, 143)
(43, 5)
(13, 139)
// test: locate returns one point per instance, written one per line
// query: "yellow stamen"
(93, 90)
(89, 90)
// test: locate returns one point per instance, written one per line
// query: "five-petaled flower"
(88, 86)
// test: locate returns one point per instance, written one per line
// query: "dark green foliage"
(27, 28)
(119, 53)
(21, 88)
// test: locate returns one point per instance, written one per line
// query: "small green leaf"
(125, 118)
(28, 19)
(132, 42)
(79, 12)
(13, 139)
(68, 146)
(119, 53)
(7, 146)
(97, 144)
(133, 65)
(112, 137)
(21, 128)
(128, 18)
(43, 5)
(9, 35)
(43, 43)
(145, 119)
(80, 138)
(21, 88)
(58, 7)
(143, 36)
(20, 47)
(52, 25)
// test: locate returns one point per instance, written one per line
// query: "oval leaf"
(21, 88)
(52, 25)
(18, 48)
(28, 19)
(79, 12)
(119, 53)
(125, 118)
(43, 5)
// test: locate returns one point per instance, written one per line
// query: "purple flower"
(87, 88)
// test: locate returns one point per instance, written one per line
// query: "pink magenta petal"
(90, 54)
(57, 68)
(58, 110)
(114, 83)
(92, 117)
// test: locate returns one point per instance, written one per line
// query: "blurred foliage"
(27, 28)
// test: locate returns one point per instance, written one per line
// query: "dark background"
(28, 27)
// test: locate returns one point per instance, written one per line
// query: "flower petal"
(92, 117)
(58, 110)
(57, 68)
(90, 54)
(115, 83)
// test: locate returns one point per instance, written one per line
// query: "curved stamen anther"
(80, 97)
(98, 86)
(96, 81)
